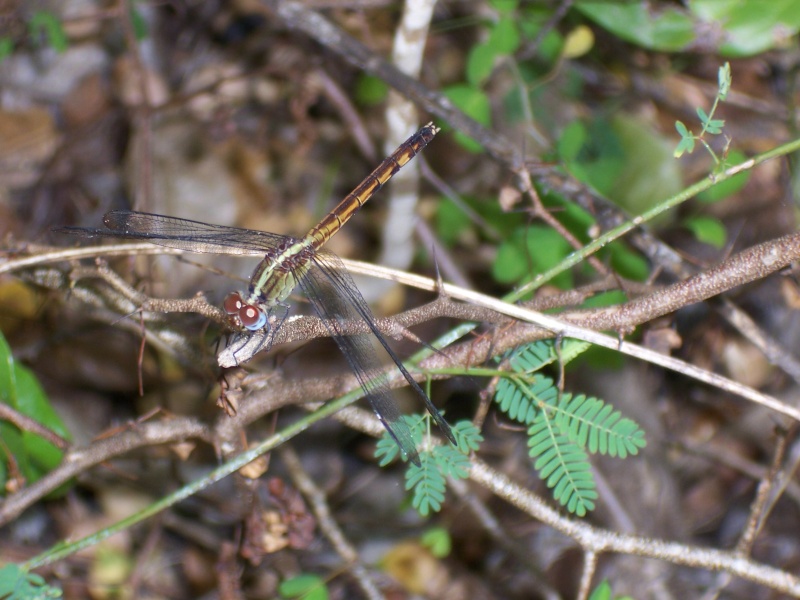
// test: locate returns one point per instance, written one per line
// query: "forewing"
(183, 234)
(336, 300)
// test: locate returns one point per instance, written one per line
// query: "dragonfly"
(287, 263)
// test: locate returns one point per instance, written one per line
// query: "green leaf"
(370, 90)
(451, 221)
(682, 129)
(438, 541)
(6, 47)
(480, 63)
(563, 465)
(715, 126)
(628, 161)
(649, 173)
(572, 140)
(504, 37)
(730, 186)
(523, 401)
(306, 586)
(139, 23)
(47, 23)
(750, 26)
(628, 262)
(467, 436)
(452, 462)
(685, 145)
(707, 230)
(387, 449)
(474, 103)
(665, 28)
(724, 81)
(19, 389)
(594, 425)
(533, 357)
(428, 484)
(609, 298)
(18, 584)
(701, 114)
(504, 6)
(528, 251)
(602, 591)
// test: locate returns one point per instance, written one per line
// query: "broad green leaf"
(601, 592)
(649, 172)
(707, 230)
(529, 251)
(451, 221)
(572, 140)
(600, 159)
(629, 263)
(750, 26)
(306, 586)
(139, 23)
(610, 298)
(48, 24)
(663, 27)
(6, 47)
(504, 37)
(18, 584)
(438, 541)
(33, 456)
(370, 90)
(504, 6)
(474, 103)
(480, 63)
(730, 186)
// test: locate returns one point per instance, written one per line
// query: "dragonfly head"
(250, 316)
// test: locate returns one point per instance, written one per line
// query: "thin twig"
(25, 423)
(328, 525)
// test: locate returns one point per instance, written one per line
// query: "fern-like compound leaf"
(521, 400)
(428, 484)
(452, 462)
(468, 437)
(596, 426)
(564, 466)
(532, 357)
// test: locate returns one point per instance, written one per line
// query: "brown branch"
(298, 17)
(25, 423)
(748, 266)
(78, 460)
(597, 540)
(327, 524)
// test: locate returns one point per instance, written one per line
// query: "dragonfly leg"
(245, 346)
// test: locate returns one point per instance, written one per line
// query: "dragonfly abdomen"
(359, 196)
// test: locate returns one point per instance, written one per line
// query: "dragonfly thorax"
(247, 314)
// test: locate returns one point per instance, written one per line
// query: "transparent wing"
(336, 300)
(183, 234)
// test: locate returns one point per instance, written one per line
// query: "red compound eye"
(233, 303)
(252, 317)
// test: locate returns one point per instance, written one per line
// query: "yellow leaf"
(578, 42)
